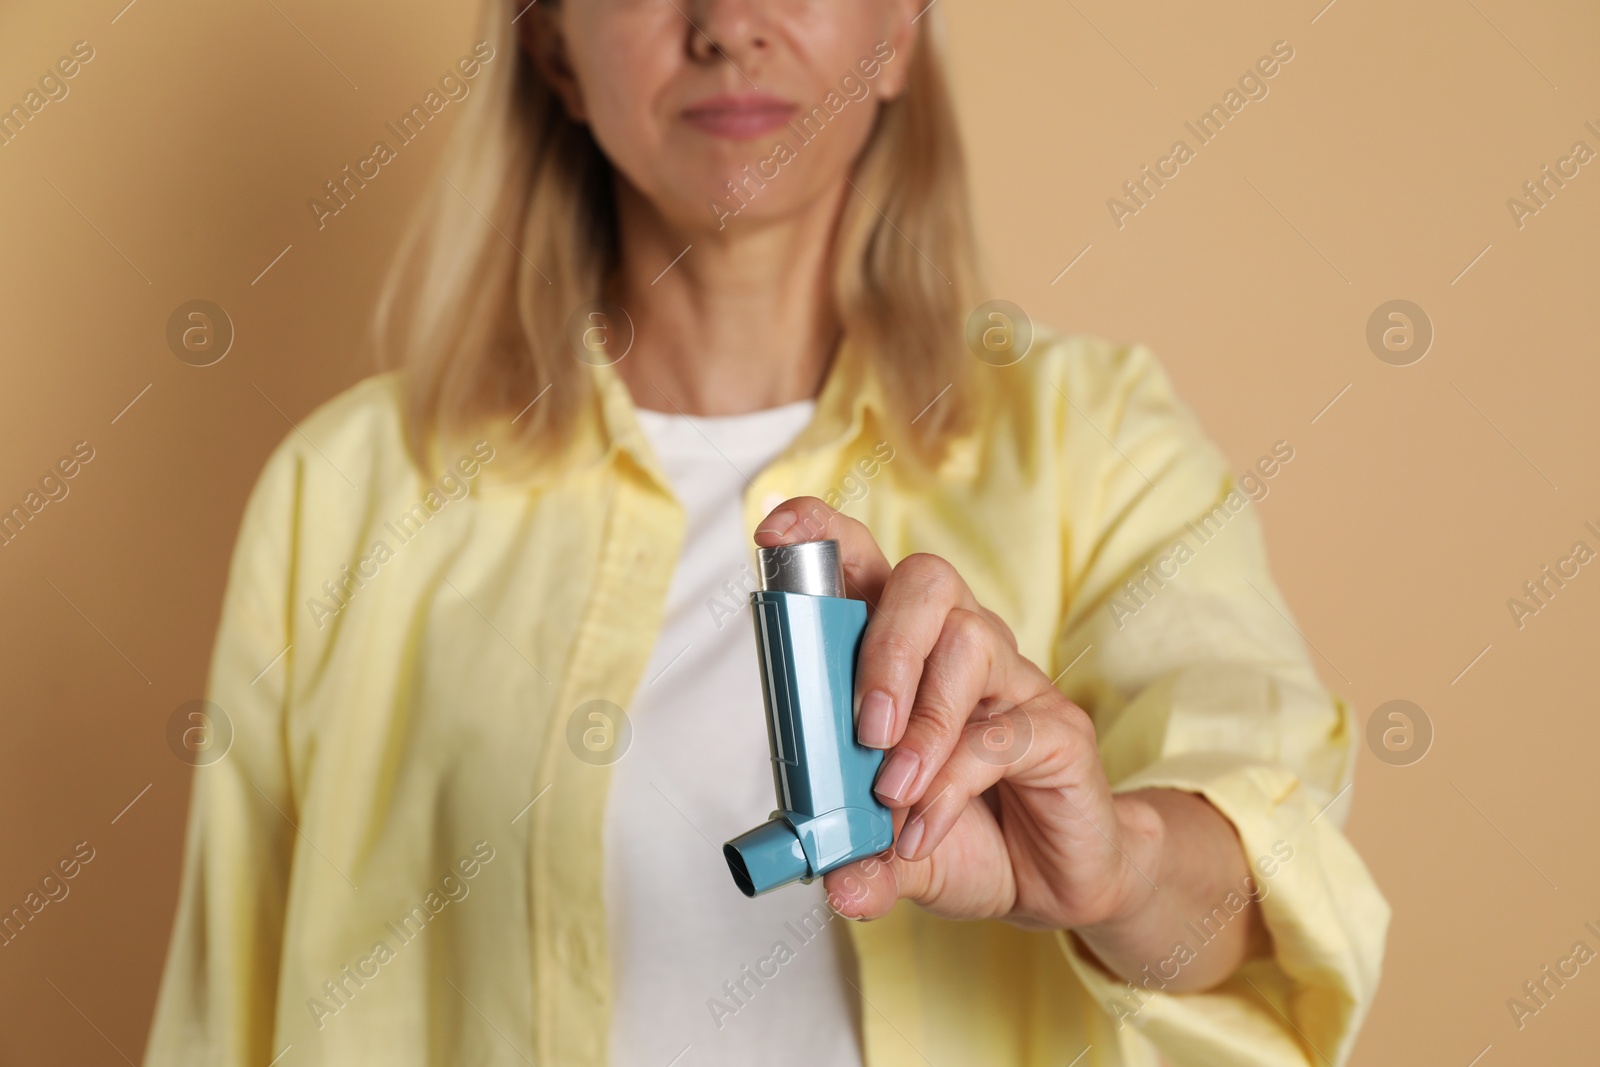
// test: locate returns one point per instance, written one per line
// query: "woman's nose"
(735, 29)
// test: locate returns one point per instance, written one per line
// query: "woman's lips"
(739, 118)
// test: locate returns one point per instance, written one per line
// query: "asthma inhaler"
(807, 638)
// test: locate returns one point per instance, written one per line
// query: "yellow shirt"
(397, 859)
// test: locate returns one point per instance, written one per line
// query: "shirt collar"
(851, 389)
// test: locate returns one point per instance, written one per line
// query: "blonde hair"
(522, 231)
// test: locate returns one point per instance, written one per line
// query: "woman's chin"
(725, 205)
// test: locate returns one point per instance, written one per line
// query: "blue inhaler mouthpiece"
(807, 638)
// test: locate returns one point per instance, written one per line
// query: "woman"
(699, 279)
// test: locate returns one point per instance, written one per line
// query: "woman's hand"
(1001, 807)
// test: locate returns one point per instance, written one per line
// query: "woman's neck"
(742, 321)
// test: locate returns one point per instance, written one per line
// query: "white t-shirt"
(701, 974)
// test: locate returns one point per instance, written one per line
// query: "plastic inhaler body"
(807, 637)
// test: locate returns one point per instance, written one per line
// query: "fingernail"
(778, 522)
(910, 838)
(877, 719)
(898, 771)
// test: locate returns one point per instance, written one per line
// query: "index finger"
(806, 518)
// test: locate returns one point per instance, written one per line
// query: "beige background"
(1378, 168)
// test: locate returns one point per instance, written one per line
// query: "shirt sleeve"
(217, 1002)
(1198, 679)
